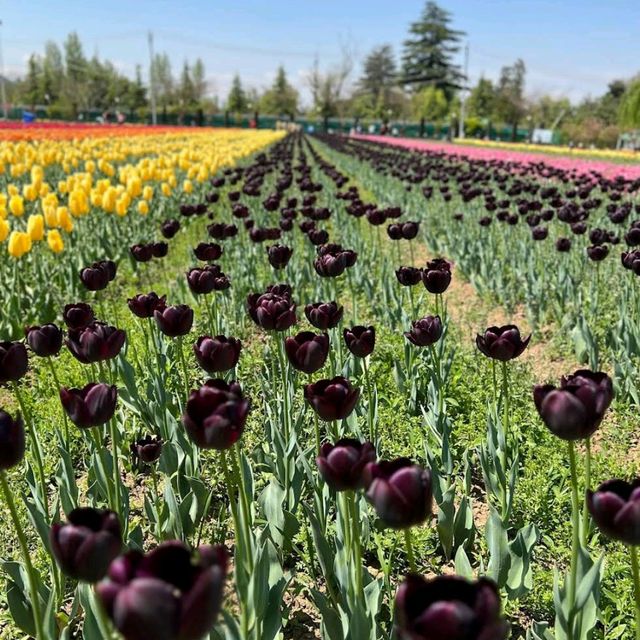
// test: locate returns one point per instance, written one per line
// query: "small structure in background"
(629, 140)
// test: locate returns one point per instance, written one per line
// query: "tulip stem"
(36, 448)
(31, 575)
(635, 569)
(52, 367)
(116, 468)
(244, 499)
(412, 304)
(587, 476)
(282, 356)
(317, 430)
(575, 543)
(357, 544)
(408, 542)
(505, 431)
(183, 363)
(370, 408)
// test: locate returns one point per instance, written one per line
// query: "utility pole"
(152, 81)
(3, 95)
(465, 92)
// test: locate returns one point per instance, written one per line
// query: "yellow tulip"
(54, 240)
(143, 207)
(19, 244)
(187, 186)
(35, 227)
(16, 205)
(4, 230)
(147, 192)
(64, 219)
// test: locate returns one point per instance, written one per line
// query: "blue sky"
(570, 47)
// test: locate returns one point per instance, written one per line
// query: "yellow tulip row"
(55, 181)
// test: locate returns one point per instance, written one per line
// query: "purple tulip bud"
(167, 594)
(279, 255)
(341, 465)
(449, 607)
(45, 341)
(201, 281)
(144, 304)
(333, 399)
(141, 252)
(615, 508)
(409, 230)
(208, 251)
(408, 276)
(159, 249)
(575, 410)
(217, 354)
(78, 315)
(96, 277)
(169, 228)
(307, 351)
(175, 320)
(436, 276)
(86, 544)
(425, 332)
(563, 245)
(324, 315)
(91, 406)
(147, 449)
(598, 252)
(95, 343)
(272, 311)
(12, 440)
(14, 361)
(502, 343)
(215, 414)
(360, 340)
(400, 492)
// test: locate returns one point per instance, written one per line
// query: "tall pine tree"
(429, 52)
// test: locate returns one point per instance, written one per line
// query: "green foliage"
(282, 98)
(430, 50)
(430, 103)
(237, 100)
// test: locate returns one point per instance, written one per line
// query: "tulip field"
(261, 386)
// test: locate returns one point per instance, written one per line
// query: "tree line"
(426, 83)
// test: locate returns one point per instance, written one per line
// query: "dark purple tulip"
(631, 260)
(175, 320)
(597, 252)
(271, 311)
(539, 233)
(575, 410)
(110, 267)
(91, 406)
(95, 343)
(408, 276)
(13, 361)
(142, 252)
(502, 343)
(217, 354)
(360, 340)
(563, 244)
(147, 449)
(307, 352)
(159, 249)
(78, 315)
(217, 230)
(425, 332)
(318, 236)
(330, 266)
(400, 492)
(207, 251)
(449, 607)
(409, 230)
(12, 440)
(167, 594)
(86, 544)
(436, 276)
(615, 508)
(341, 465)
(169, 228)
(324, 315)
(215, 414)
(201, 281)
(279, 255)
(332, 399)
(95, 277)
(144, 304)
(578, 228)
(394, 231)
(45, 341)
